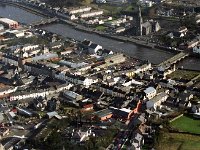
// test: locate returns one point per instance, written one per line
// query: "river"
(153, 55)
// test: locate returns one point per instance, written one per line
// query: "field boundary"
(176, 118)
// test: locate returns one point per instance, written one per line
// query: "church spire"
(139, 22)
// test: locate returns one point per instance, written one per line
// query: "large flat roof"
(8, 21)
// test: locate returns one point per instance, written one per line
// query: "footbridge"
(173, 60)
(44, 21)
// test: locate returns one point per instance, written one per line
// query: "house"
(88, 107)
(146, 3)
(24, 112)
(81, 135)
(53, 104)
(184, 98)
(39, 103)
(4, 131)
(77, 79)
(10, 59)
(191, 44)
(1, 27)
(72, 96)
(91, 14)
(51, 114)
(156, 101)
(46, 56)
(7, 90)
(78, 10)
(195, 108)
(120, 30)
(137, 141)
(150, 92)
(100, 1)
(38, 93)
(110, 90)
(175, 34)
(196, 49)
(55, 45)
(93, 48)
(38, 69)
(183, 30)
(103, 114)
(1, 117)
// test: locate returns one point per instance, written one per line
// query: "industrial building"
(9, 23)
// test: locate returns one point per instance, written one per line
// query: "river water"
(154, 56)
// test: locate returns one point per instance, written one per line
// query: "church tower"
(139, 23)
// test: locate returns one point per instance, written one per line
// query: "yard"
(186, 123)
(176, 141)
(183, 74)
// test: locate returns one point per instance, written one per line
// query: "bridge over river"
(173, 60)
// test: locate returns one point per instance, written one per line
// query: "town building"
(1, 27)
(145, 28)
(156, 101)
(91, 14)
(150, 92)
(78, 10)
(9, 23)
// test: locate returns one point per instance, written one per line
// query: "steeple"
(139, 23)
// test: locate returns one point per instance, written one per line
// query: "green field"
(176, 141)
(187, 124)
(183, 74)
(101, 28)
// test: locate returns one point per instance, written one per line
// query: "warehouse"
(9, 23)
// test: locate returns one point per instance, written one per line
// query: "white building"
(156, 101)
(7, 90)
(93, 48)
(143, 68)
(91, 14)
(146, 3)
(72, 95)
(76, 79)
(1, 27)
(100, 1)
(79, 10)
(150, 92)
(38, 93)
(120, 29)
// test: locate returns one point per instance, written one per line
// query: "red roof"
(88, 106)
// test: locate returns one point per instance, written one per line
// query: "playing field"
(188, 124)
(177, 141)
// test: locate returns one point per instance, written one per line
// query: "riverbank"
(28, 9)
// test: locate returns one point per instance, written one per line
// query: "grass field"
(183, 74)
(101, 28)
(176, 141)
(187, 124)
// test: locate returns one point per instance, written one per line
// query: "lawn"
(176, 141)
(183, 74)
(101, 28)
(111, 9)
(187, 124)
